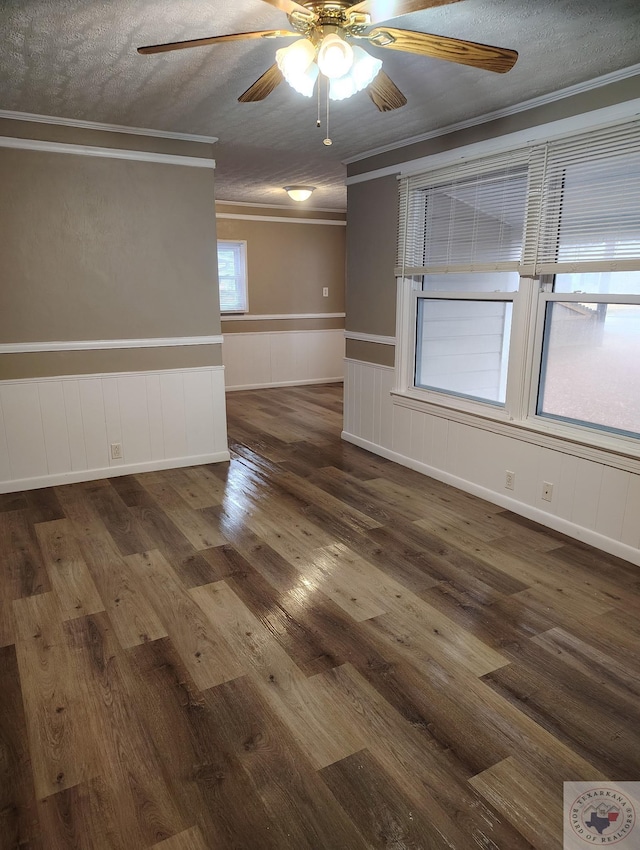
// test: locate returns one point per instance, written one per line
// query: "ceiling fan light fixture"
(304, 83)
(363, 71)
(299, 193)
(365, 67)
(295, 61)
(335, 56)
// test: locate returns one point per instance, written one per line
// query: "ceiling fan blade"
(498, 59)
(215, 39)
(263, 86)
(384, 10)
(385, 93)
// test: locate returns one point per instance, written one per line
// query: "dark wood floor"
(310, 647)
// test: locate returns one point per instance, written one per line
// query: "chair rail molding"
(102, 344)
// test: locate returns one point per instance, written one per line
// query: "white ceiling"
(77, 59)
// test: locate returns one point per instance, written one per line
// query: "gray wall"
(100, 248)
(372, 223)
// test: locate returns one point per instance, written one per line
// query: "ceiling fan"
(329, 35)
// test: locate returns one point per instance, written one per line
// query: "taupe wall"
(371, 255)
(371, 352)
(51, 363)
(372, 211)
(288, 264)
(101, 248)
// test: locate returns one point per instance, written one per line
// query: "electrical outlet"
(509, 480)
(116, 451)
(547, 491)
(325, 291)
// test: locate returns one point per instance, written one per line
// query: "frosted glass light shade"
(304, 83)
(335, 56)
(299, 193)
(297, 65)
(364, 69)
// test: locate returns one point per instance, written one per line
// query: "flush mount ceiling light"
(299, 193)
(325, 32)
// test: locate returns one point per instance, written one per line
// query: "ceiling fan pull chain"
(318, 122)
(327, 141)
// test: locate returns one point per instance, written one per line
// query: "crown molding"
(105, 153)
(105, 128)
(284, 219)
(533, 103)
(102, 344)
(277, 206)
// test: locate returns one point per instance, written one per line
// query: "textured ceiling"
(77, 59)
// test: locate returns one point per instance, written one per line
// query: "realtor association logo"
(601, 816)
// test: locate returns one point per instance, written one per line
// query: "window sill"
(615, 452)
(445, 402)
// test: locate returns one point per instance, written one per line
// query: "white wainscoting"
(283, 358)
(592, 501)
(59, 430)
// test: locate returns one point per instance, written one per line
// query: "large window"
(232, 276)
(520, 286)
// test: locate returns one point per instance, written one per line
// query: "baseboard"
(110, 472)
(578, 532)
(302, 383)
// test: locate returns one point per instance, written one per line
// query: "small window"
(232, 276)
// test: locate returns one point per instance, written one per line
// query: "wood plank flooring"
(308, 648)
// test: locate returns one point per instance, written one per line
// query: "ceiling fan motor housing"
(329, 13)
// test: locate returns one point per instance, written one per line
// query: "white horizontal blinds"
(590, 216)
(403, 208)
(469, 217)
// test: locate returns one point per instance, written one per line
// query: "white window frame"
(523, 377)
(444, 398)
(241, 246)
(525, 352)
(570, 430)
